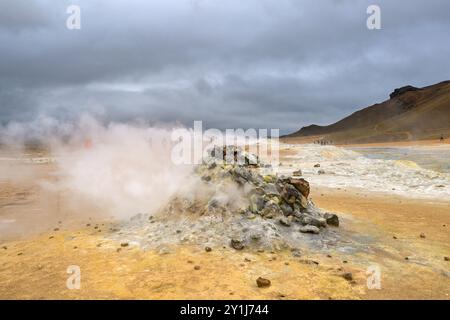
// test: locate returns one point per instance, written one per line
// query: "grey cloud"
(258, 63)
(18, 15)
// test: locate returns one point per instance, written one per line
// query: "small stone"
(51, 237)
(197, 268)
(317, 165)
(332, 219)
(119, 249)
(20, 253)
(163, 251)
(348, 276)
(124, 244)
(237, 244)
(208, 249)
(329, 256)
(394, 237)
(309, 229)
(406, 258)
(5, 248)
(345, 261)
(88, 225)
(250, 215)
(309, 261)
(297, 173)
(284, 221)
(56, 229)
(286, 263)
(446, 259)
(422, 235)
(321, 171)
(75, 247)
(262, 282)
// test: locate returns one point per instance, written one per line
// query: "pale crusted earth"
(41, 237)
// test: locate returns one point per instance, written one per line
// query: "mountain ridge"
(410, 113)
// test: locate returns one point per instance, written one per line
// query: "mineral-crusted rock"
(237, 244)
(332, 219)
(309, 229)
(302, 185)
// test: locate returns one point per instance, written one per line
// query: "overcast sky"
(231, 63)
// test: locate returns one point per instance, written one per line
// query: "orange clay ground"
(35, 266)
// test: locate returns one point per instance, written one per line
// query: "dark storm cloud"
(256, 63)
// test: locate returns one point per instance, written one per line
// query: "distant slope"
(410, 114)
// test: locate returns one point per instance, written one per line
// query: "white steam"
(117, 169)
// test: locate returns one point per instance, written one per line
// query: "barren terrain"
(408, 239)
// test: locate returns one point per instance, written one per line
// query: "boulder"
(290, 194)
(332, 219)
(287, 209)
(309, 229)
(302, 185)
(303, 203)
(271, 210)
(256, 203)
(284, 221)
(271, 189)
(309, 220)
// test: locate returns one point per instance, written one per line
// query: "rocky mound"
(237, 202)
(399, 91)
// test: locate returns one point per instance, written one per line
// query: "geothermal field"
(234, 158)
(326, 222)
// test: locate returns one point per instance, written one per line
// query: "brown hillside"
(410, 114)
